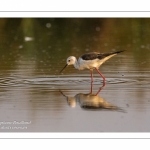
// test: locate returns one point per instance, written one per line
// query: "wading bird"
(90, 61)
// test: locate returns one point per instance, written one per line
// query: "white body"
(89, 64)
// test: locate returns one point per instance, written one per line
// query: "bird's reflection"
(90, 101)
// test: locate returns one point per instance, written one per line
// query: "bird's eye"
(69, 60)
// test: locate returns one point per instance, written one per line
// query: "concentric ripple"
(65, 80)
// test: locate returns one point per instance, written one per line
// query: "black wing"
(90, 56)
(94, 55)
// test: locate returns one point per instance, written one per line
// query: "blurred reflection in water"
(90, 101)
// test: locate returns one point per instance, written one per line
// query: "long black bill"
(64, 68)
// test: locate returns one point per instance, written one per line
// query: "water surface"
(34, 97)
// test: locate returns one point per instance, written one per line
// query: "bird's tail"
(106, 56)
(117, 52)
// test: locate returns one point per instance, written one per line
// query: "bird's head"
(70, 61)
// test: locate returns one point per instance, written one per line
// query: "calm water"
(34, 97)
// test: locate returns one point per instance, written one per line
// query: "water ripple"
(21, 81)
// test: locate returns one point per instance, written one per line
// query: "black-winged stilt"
(90, 61)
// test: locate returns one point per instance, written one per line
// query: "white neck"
(76, 64)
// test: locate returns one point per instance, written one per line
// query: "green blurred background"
(49, 41)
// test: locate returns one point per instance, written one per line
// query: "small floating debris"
(48, 25)
(142, 46)
(20, 46)
(27, 38)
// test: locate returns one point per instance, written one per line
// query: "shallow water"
(34, 97)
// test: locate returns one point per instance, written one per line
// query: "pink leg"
(101, 74)
(91, 88)
(100, 89)
(91, 71)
